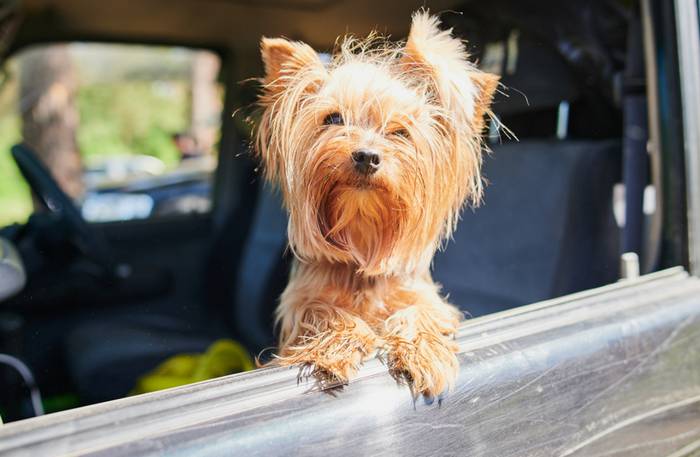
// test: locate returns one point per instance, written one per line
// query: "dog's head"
(376, 151)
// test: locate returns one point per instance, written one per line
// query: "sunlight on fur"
(375, 154)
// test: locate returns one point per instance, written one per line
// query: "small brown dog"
(375, 154)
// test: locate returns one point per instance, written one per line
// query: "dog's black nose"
(366, 161)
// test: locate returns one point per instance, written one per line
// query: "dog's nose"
(366, 161)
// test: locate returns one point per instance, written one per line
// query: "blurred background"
(120, 126)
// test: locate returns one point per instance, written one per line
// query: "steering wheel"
(89, 242)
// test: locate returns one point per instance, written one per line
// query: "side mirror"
(12, 274)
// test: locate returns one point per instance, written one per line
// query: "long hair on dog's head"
(376, 151)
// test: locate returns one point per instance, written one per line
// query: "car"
(578, 271)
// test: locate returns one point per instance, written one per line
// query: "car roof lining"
(235, 25)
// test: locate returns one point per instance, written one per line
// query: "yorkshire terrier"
(375, 154)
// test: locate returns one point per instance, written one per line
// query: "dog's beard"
(364, 221)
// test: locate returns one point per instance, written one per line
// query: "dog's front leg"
(328, 339)
(420, 344)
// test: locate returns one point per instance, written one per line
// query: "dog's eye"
(403, 133)
(333, 119)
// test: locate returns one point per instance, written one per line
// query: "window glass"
(127, 131)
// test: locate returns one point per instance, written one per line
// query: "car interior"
(106, 302)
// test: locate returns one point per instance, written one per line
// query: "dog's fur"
(364, 242)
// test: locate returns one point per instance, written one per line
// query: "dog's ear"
(435, 55)
(283, 59)
(435, 58)
(486, 85)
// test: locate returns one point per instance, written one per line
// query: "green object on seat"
(61, 402)
(222, 358)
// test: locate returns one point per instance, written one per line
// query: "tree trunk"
(205, 108)
(49, 113)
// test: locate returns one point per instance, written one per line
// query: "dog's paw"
(331, 371)
(332, 358)
(428, 365)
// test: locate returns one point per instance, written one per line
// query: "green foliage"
(131, 117)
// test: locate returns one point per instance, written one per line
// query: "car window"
(127, 131)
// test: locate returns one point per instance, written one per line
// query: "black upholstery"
(262, 274)
(545, 228)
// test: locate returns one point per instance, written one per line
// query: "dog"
(375, 154)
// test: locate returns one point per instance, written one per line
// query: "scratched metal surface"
(610, 372)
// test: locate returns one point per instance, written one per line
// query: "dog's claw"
(441, 397)
(429, 399)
